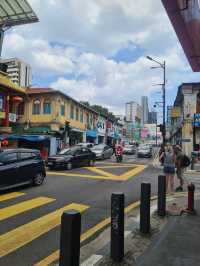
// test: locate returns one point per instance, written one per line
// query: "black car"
(20, 167)
(72, 157)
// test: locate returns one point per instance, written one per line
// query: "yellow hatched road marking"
(114, 166)
(24, 234)
(133, 172)
(101, 172)
(23, 206)
(55, 255)
(11, 196)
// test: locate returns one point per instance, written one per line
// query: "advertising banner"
(185, 18)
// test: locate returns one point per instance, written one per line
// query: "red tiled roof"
(39, 90)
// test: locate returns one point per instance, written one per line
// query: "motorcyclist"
(119, 152)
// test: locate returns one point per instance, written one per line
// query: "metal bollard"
(117, 227)
(70, 238)
(145, 208)
(191, 189)
(161, 195)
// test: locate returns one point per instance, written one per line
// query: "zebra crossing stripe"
(11, 196)
(13, 210)
(26, 233)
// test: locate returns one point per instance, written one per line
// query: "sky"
(95, 50)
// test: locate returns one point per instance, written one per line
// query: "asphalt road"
(30, 216)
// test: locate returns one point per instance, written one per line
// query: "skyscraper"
(133, 112)
(145, 109)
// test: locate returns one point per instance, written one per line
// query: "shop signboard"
(2, 115)
(101, 126)
(196, 120)
(176, 112)
(185, 18)
(12, 117)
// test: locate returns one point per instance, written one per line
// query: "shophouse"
(11, 99)
(186, 106)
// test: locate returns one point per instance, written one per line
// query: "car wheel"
(38, 179)
(91, 163)
(69, 166)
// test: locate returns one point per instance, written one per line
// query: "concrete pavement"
(30, 216)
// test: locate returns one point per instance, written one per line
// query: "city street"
(30, 216)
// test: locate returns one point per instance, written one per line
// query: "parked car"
(102, 151)
(20, 167)
(144, 152)
(86, 144)
(72, 157)
(129, 149)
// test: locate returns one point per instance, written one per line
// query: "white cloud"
(75, 40)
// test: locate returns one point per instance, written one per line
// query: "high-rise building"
(152, 117)
(145, 109)
(133, 112)
(18, 71)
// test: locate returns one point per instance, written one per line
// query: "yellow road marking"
(11, 196)
(23, 206)
(133, 172)
(24, 234)
(101, 172)
(104, 175)
(55, 255)
(113, 166)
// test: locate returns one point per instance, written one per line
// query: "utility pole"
(163, 66)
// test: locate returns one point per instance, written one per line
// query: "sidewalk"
(177, 244)
(174, 240)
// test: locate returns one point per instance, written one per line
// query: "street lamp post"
(163, 66)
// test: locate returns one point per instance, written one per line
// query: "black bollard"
(145, 208)
(161, 195)
(117, 227)
(70, 238)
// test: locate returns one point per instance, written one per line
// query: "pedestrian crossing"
(26, 233)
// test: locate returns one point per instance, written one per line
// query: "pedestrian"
(179, 167)
(161, 151)
(168, 158)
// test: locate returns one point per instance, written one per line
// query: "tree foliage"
(101, 110)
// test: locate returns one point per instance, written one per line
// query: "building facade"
(152, 118)
(145, 109)
(11, 97)
(133, 112)
(19, 72)
(186, 105)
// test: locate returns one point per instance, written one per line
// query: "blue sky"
(95, 50)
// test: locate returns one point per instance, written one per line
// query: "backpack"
(185, 161)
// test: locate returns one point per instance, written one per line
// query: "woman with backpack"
(168, 158)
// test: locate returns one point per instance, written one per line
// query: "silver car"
(102, 151)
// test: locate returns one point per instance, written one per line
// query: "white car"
(86, 145)
(102, 151)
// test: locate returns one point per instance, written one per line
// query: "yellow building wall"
(55, 116)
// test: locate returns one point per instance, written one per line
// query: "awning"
(185, 18)
(91, 133)
(32, 138)
(5, 82)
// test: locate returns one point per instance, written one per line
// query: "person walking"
(179, 167)
(168, 158)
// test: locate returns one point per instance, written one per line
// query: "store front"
(91, 136)
(11, 102)
(76, 136)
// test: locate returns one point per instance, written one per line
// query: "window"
(21, 109)
(36, 107)
(81, 116)
(47, 107)
(26, 155)
(72, 112)
(8, 158)
(77, 114)
(62, 109)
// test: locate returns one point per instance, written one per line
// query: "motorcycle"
(119, 157)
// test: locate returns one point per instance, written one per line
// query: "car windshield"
(68, 151)
(99, 147)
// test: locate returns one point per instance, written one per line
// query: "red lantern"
(17, 100)
(4, 142)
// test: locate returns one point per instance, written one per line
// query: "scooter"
(119, 157)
